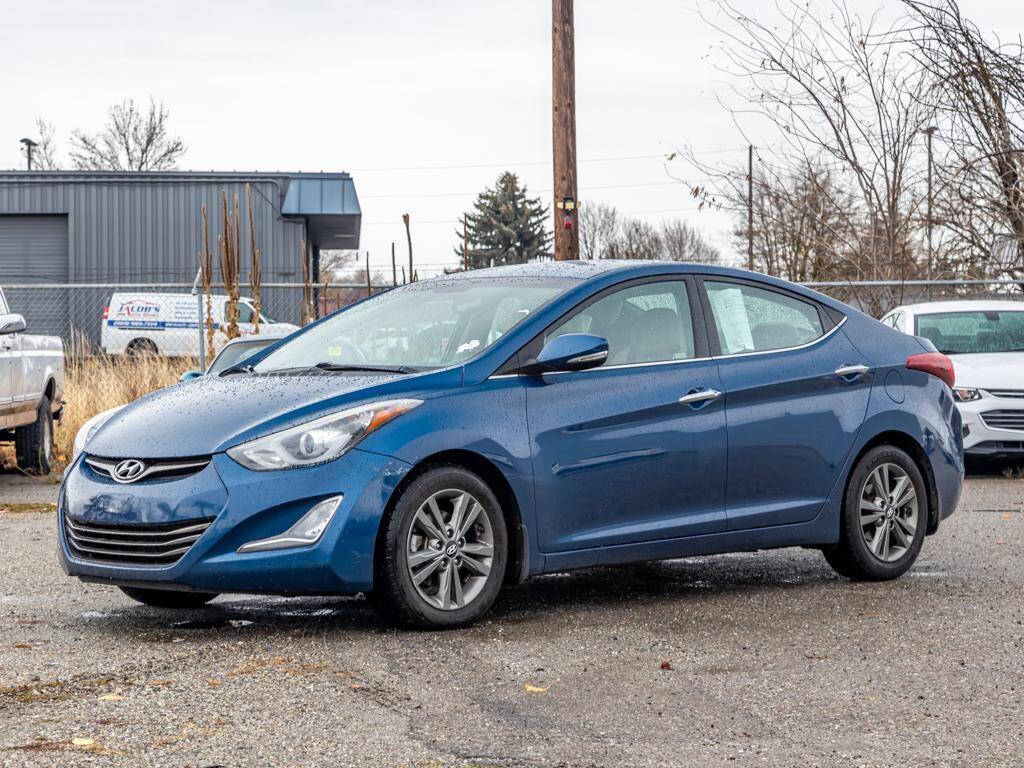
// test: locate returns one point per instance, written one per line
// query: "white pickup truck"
(31, 390)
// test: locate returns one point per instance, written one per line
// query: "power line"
(414, 222)
(548, 189)
(470, 166)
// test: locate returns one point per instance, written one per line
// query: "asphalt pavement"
(762, 659)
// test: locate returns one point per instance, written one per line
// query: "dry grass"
(94, 384)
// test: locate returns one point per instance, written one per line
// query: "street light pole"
(563, 123)
(929, 132)
(29, 146)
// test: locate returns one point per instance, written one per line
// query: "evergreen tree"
(505, 226)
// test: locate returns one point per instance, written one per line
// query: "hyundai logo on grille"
(128, 471)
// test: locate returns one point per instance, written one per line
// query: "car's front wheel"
(445, 546)
(884, 517)
(169, 598)
(33, 443)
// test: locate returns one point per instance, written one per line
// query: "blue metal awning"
(329, 204)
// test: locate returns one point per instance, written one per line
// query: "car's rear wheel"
(442, 559)
(33, 443)
(884, 517)
(169, 598)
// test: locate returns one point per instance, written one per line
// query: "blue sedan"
(430, 444)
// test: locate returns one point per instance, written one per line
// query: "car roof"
(960, 305)
(585, 269)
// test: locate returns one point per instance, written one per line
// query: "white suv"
(985, 341)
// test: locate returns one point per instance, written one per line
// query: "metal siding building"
(76, 227)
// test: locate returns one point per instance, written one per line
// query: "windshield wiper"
(245, 368)
(327, 366)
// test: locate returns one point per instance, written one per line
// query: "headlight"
(320, 440)
(964, 395)
(89, 429)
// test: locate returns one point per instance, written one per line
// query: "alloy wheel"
(450, 549)
(888, 512)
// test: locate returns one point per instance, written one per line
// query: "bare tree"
(44, 154)
(132, 140)
(604, 234)
(803, 229)
(978, 93)
(335, 265)
(843, 93)
(599, 229)
(637, 240)
(681, 242)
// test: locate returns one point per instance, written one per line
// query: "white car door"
(9, 364)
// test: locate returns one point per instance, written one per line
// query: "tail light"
(935, 363)
(106, 312)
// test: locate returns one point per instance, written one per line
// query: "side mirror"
(189, 375)
(11, 324)
(569, 352)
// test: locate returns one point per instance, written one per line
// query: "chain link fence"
(876, 297)
(115, 318)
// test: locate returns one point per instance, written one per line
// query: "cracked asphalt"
(755, 659)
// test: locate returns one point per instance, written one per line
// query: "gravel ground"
(754, 659)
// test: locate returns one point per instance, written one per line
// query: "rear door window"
(750, 319)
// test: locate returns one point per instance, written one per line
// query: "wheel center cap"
(451, 549)
(889, 512)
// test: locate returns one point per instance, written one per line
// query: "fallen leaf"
(815, 658)
(212, 681)
(23, 645)
(161, 682)
(535, 688)
(111, 697)
(666, 665)
(81, 742)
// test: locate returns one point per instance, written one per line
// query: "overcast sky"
(423, 102)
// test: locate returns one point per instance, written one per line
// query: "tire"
(460, 575)
(168, 598)
(875, 540)
(139, 347)
(33, 443)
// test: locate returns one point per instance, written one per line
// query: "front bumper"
(244, 505)
(981, 439)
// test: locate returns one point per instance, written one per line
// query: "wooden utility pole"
(369, 285)
(465, 242)
(394, 271)
(563, 129)
(408, 236)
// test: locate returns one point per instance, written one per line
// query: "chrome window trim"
(805, 345)
(687, 360)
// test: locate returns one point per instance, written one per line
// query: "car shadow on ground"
(603, 589)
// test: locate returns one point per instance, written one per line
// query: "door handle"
(851, 370)
(700, 396)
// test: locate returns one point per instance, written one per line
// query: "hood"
(995, 370)
(211, 413)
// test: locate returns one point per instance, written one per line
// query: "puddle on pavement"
(211, 623)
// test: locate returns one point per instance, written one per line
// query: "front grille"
(145, 544)
(1009, 393)
(154, 469)
(1004, 419)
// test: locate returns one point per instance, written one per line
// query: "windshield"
(236, 353)
(419, 326)
(962, 333)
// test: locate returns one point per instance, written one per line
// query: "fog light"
(306, 531)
